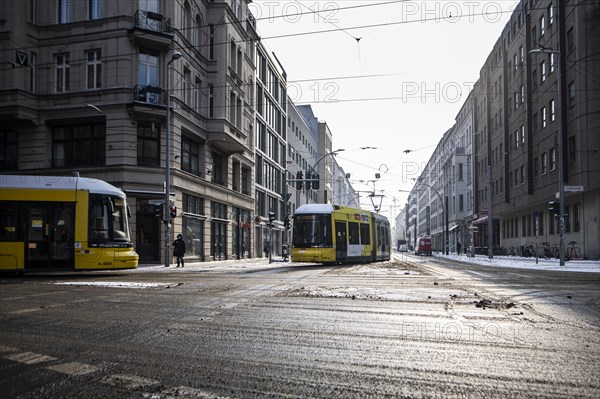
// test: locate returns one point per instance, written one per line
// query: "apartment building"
(86, 89)
(270, 152)
(303, 146)
(534, 111)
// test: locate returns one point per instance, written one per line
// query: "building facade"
(88, 91)
(534, 112)
(270, 153)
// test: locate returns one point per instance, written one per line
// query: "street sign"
(573, 189)
(156, 202)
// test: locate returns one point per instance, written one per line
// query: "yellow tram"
(63, 223)
(325, 233)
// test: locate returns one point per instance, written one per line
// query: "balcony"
(150, 95)
(151, 29)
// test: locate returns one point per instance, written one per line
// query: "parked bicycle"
(550, 251)
(526, 251)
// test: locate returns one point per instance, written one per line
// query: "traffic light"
(286, 222)
(271, 218)
(553, 207)
(158, 211)
(172, 211)
(299, 178)
(316, 182)
(308, 181)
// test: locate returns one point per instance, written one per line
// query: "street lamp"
(561, 172)
(176, 55)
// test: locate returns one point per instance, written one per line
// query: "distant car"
(403, 248)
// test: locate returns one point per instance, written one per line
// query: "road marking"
(29, 358)
(74, 368)
(7, 349)
(128, 381)
(118, 284)
(187, 392)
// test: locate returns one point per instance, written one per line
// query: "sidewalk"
(589, 266)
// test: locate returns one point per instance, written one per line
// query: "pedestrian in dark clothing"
(179, 249)
(458, 247)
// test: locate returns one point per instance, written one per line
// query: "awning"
(453, 227)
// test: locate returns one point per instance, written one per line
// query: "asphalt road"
(395, 329)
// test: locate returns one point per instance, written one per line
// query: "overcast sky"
(386, 74)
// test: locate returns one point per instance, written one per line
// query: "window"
(576, 218)
(522, 94)
(148, 144)
(543, 116)
(552, 153)
(95, 9)
(365, 237)
(517, 139)
(534, 38)
(544, 163)
(522, 174)
(219, 162)
(187, 81)
(572, 149)
(64, 11)
(94, 69)
(460, 172)
(190, 156)
(536, 167)
(197, 95)
(8, 150)
(192, 204)
(148, 68)
(542, 25)
(550, 14)
(211, 41)
(198, 34)
(567, 219)
(552, 110)
(246, 176)
(353, 233)
(62, 73)
(148, 77)
(461, 202)
(211, 100)
(521, 55)
(570, 40)
(571, 91)
(186, 22)
(543, 71)
(79, 145)
(551, 61)
(33, 72)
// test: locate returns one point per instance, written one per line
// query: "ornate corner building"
(84, 86)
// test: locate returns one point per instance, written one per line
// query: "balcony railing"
(152, 21)
(150, 94)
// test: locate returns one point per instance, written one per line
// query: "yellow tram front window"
(108, 220)
(312, 231)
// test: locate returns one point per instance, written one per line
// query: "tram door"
(49, 235)
(341, 241)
